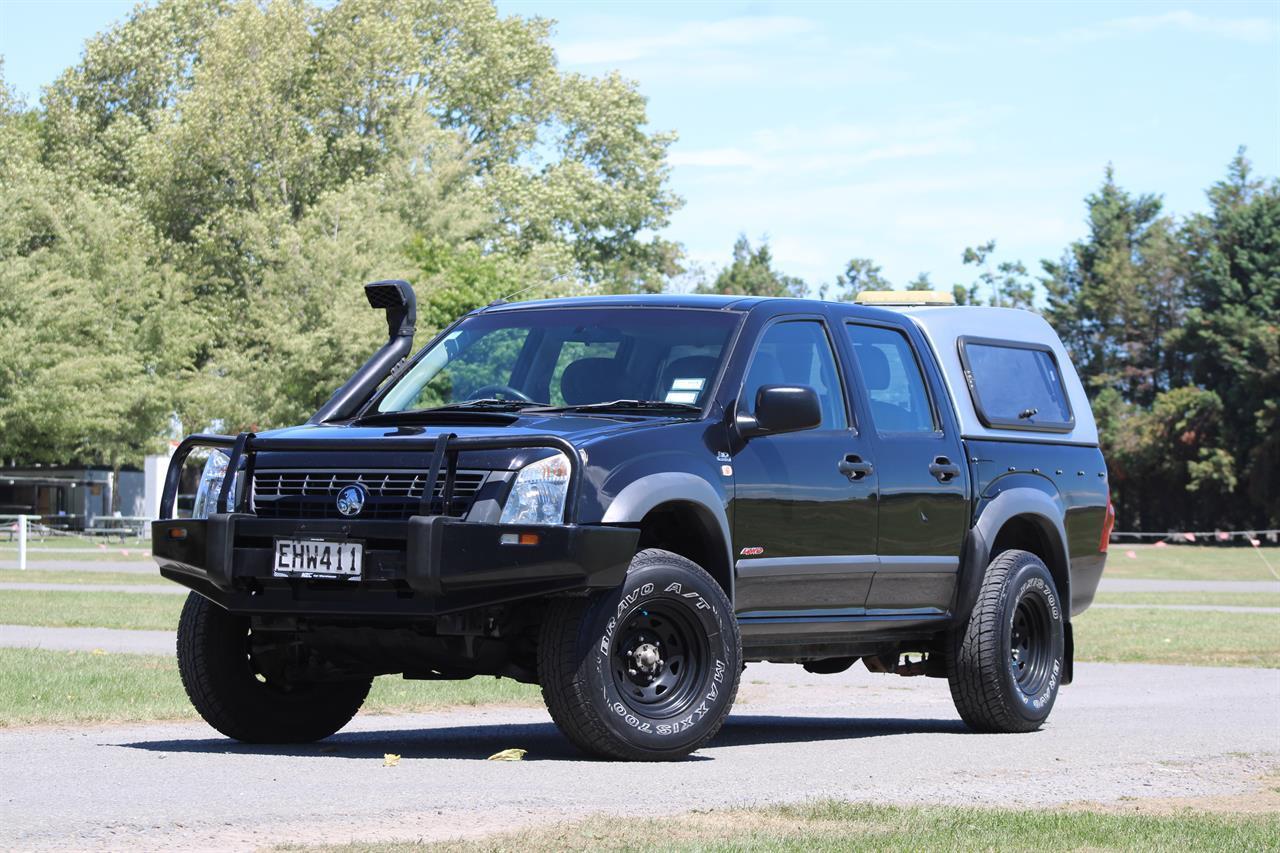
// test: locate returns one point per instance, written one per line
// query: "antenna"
(505, 299)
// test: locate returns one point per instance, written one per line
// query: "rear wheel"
(647, 671)
(1007, 664)
(234, 692)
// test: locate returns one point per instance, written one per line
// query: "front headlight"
(537, 497)
(215, 469)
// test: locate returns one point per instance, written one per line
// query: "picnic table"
(122, 526)
(35, 529)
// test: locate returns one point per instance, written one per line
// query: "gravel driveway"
(1121, 730)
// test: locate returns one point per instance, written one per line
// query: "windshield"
(570, 357)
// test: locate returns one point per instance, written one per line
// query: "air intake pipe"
(397, 298)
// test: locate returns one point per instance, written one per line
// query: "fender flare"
(638, 497)
(1044, 509)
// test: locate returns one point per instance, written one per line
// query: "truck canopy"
(1008, 374)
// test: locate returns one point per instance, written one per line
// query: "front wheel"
(645, 672)
(1006, 666)
(228, 685)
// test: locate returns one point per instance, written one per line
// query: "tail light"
(1108, 522)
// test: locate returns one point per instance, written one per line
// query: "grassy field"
(112, 554)
(1190, 562)
(78, 549)
(73, 577)
(836, 826)
(56, 544)
(1197, 638)
(75, 609)
(38, 686)
(1216, 599)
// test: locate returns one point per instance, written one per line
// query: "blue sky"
(900, 132)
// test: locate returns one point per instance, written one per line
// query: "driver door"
(805, 502)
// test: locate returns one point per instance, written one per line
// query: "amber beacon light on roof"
(904, 297)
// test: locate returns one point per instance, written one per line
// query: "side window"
(797, 352)
(1017, 386)
(891, 375)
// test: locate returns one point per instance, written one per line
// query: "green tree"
(965, 295)
(238, 168)
(92, 318)
(1007, 282)
(213, 109)
(1176, 328)
(1115, 295)
(1174, 448)
(751, 273)
(920, 282)
(1231, 333)
(859, 274)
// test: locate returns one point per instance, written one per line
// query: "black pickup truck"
(627, 499)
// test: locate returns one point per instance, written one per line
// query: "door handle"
(853, 467)
(943, 470)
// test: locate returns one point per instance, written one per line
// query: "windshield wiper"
(622, 405)
(483, 404)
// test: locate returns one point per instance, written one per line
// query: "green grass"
(39, 686)
(72, 576)
(1190, 562)
(77, 549)
(1217, 599)
(1196, 638)
(74, 543)
(829, 825)
(114, 554)
(74, 609)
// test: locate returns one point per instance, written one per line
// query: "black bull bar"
(430, 564)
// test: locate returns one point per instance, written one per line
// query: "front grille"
(393, 494)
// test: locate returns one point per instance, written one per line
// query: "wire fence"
(1256, 538)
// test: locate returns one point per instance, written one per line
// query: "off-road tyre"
(227, 690)
(1007, 663)
(595, 655)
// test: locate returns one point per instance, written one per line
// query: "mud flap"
(1068, 654)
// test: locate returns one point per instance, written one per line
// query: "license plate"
(314, 558)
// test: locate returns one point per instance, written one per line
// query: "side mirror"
(780, 409)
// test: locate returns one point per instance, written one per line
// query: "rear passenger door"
(923, 478)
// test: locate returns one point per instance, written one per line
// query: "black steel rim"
(1031, 644)
(253, 656)
(658, 658)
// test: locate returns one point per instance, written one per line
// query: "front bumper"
(426, 566)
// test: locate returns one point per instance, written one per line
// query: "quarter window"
(1015, 385)
(893, 381)
(798, 352)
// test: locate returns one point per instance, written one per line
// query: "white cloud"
(839, 148)
(1256, 30)
(1253, 30)
(716, 158)
(698, 35)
